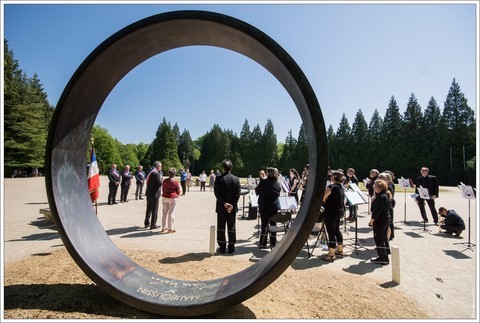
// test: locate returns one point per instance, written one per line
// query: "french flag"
(93, 177)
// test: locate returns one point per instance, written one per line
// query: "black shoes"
(154, 227)
(222, 250)
(380, 261)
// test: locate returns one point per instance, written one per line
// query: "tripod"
(468, 244)
(357, 244)
(405, 206)
(425, 228)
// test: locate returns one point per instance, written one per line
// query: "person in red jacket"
(171, 192)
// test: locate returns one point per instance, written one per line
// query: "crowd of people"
(269, 186)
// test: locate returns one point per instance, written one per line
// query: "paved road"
(439, 271)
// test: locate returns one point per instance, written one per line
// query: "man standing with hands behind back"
(153, 192)
(429, 182)
(227, 192)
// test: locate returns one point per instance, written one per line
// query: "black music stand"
(356, 197)
(404, 183)
(365, 182)
(253, 203)
(423, 194)
(244, 190)
(469, 194)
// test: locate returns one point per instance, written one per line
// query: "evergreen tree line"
(27, 115)
(444, 140)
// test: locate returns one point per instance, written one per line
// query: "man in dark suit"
(113, 183)
(227, 192)
(153, 193)
(429, 182)
(452, 222)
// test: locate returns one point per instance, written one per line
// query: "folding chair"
(319, 231)
(282, 221)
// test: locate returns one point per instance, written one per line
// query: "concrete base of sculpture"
(66, 180)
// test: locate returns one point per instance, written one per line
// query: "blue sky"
(355, 55)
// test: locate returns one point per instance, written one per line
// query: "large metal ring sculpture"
(79, 227)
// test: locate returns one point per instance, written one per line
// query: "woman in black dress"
(334, 209)
(268, 191)
(380, 220)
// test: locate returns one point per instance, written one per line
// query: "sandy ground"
(438, 272)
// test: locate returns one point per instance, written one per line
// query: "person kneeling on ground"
(452, 222)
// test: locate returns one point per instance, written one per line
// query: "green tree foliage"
(164, 147)
(413, 145)
(459, 119)
(141, 150)
(332, 143)
(128, 154)
(360, 142)
(375, 140)
(106, 149)
(214, 149)
(443, 141)
(300, 155)
(342, 149)
(269, 145)
(434, 130)
(391, 134)
(288, 153)
(246, 148)
(27, 115)
(186, 149)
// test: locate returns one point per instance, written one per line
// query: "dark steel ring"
(66, 180)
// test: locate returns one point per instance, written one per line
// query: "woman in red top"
(171, 191)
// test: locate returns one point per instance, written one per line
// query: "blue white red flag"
(93, 176)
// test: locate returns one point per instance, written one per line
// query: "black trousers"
(226, 221)
(380, 228)
(124, 193)
(151, 215)
(431, 205)
(184, 187)
(112, 192)
(265, 215)
(138, 191)
(332, 224)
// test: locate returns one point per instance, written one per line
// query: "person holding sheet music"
(387, 177)
(380, 220)
(294, 183)
(352, 209)
(373, 177)
(268, 191)
(429, 182)
(304, 181)
(334, 209)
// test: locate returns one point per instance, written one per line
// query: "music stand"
(365, 182)
(404, 183)
(356, 197)
(244, 191)
(424, 195)
(469, 194)
(254, 205)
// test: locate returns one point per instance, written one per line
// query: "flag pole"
(96, 200)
